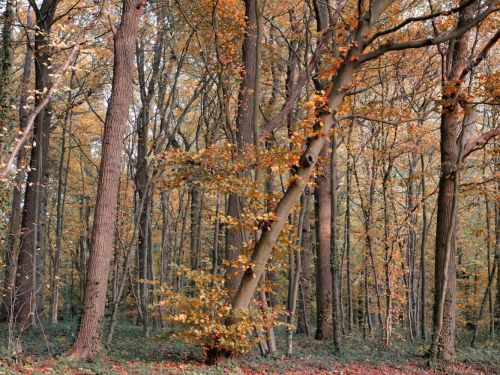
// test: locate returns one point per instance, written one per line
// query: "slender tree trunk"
(26, 279)
(61, 199)
(14, 223)
(304, 306)
(412, 247)
(6, 66)
(195, 228)
(88, 341)
(347, 236)
(423, 243)
(323, 214)
(324, 293)
(142, 178)
(443, 347)
(244, 133)
(165, 238)
(336, 270)
(491, 278)
(387, 260)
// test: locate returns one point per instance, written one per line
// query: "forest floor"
(132, 354)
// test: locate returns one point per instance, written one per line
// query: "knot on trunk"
(308, 160)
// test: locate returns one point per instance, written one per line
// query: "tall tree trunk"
(347, 234)
(323, 212)
(387, 258)
(336, 272)
(6, 65)
(14, 223)
(445, 259)
(88, 341)
(195, 227)
(142, 178)
(263, 248)
(412, 247)
(165, 238)
(304, 306)
(26, 279)
(323, 216)
(61, 199)
(244, 133)
(423, 243)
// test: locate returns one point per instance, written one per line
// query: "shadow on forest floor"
(130, 353)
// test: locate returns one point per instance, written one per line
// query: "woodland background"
(316, 182)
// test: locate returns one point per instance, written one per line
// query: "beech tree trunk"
(324, 292)
(26, 278)
(336, 272)
(14, 223)
(304, 304)
(264, 246)
(142, 176)
(244, 133)
(423, 248)
(5, 65)
(88, 342)
(451, 121)
(323, 215)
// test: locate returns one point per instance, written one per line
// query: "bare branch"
(480, 142)
(417, 19)
(424, 42)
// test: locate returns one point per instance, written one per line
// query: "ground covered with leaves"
(132, 354)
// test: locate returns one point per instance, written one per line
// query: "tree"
(88, 341)
(28, 278)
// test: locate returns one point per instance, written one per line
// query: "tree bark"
(26, 278)
(304, 306)
(244, 133)
(14, 223)
(336, 270)
(88, 342)
(335, 95)
(423, 248)
(324, 284)
(6, 65)
(445, 258)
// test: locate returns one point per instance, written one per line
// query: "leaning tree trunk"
(264, 246)
(88, 341)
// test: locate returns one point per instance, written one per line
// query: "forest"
(249, 187)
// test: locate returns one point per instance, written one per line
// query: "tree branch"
(480, 142)
(424, 42)
(417, 19)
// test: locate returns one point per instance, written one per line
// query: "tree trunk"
(423, 243)
(14, 223)
(336, 271)
(5, 66)
(445, 259)
(347, 235)
(304, 306)
(263, 248)
(88, 341)
(244, 134)
(26, 279)
(323, 211)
